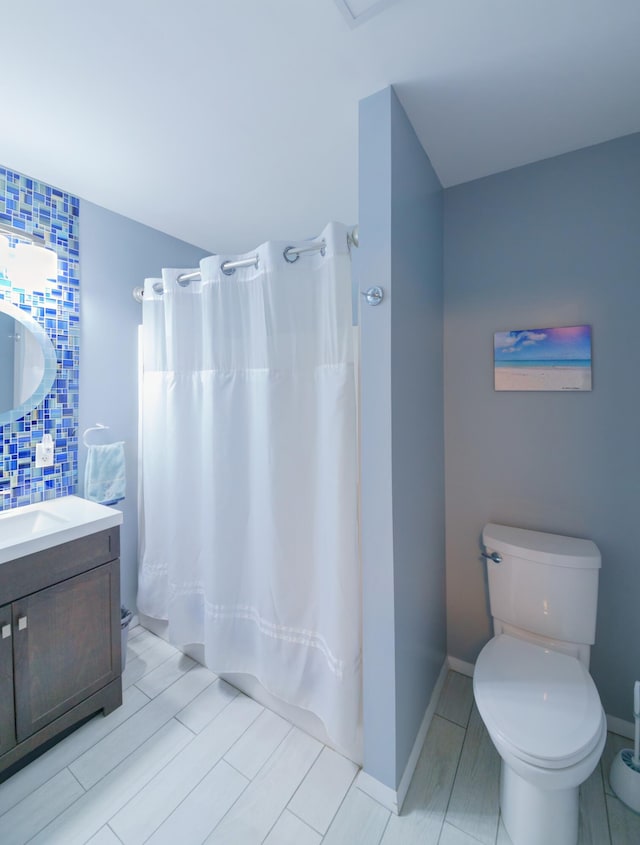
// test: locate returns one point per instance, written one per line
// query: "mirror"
(27, 363)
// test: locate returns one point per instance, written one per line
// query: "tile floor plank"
(159, 798)
(203, 808)
(139, 643)
(426, 803)
(623, 822)
(150, 659)
(290, 830)
(320, 794)
(257, 744)
(105, 836)
(27, 780)
(593, 827)
(453, 836)
(473, 807)
(456, 699)
(253, 815)
(206, 706)
(110, 751)
(34, 812)
(92, 810)
(156, 681)
(359, 821)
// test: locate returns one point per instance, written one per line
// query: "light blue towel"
(105, 478)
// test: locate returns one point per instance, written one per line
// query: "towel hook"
(96, 427)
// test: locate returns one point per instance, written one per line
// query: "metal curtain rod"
(291, 254)
(5, 229)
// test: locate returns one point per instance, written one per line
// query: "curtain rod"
(291, 254)
(229, 267)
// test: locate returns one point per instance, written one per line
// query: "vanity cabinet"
(7, 712)
(60, 640)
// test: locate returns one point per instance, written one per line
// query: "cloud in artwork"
(503, 340)
(532, 337)
(512, 341)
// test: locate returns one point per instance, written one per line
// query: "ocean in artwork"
(543, 359)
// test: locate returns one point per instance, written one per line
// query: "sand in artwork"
(543, 378)
(543, 359)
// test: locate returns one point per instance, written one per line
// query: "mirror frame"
(50, 363)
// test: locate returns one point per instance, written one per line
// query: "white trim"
(393, 799)
(377, 790)
(412, 762)
(620, 727)
(461, 666)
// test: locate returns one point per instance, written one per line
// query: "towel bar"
(96, 427)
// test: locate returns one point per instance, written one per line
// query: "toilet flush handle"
(494, 556)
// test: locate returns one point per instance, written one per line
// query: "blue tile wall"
(36, 207)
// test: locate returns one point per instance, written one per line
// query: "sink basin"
(33, 528)
(16, 526)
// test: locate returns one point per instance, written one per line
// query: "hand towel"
(105, 477)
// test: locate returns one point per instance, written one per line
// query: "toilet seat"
(539, 704)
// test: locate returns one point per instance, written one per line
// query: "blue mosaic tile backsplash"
(39, 208)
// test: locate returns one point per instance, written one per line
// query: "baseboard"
(620, 727)
(412, 762)
(378, 791)
(393, 799)
(461, 666)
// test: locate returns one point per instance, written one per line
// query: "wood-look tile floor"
(189, 760)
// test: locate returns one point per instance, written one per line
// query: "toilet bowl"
(531, 681)
(543, 714)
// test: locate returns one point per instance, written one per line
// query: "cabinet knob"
(22, 623)
(6, 632)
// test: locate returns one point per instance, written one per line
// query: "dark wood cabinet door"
(7, 715)
(66, 645)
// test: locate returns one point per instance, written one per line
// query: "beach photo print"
(543, 359)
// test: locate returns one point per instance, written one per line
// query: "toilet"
(531, 681)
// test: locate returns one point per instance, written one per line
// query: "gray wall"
(116, 254)
(400, 213)
(552, 244)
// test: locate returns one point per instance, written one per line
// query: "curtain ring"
(228, 271)
(286, 252)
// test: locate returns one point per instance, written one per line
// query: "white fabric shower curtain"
(249, 468)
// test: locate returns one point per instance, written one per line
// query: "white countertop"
(33, 528)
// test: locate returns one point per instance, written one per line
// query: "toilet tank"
(546, 584)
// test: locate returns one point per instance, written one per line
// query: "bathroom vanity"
(60, 658)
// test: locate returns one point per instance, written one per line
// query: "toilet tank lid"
(551, 549)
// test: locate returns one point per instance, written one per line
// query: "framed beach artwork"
(543, 359)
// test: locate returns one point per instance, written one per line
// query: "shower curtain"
(249, 474)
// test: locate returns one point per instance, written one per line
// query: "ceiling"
(230, 122)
